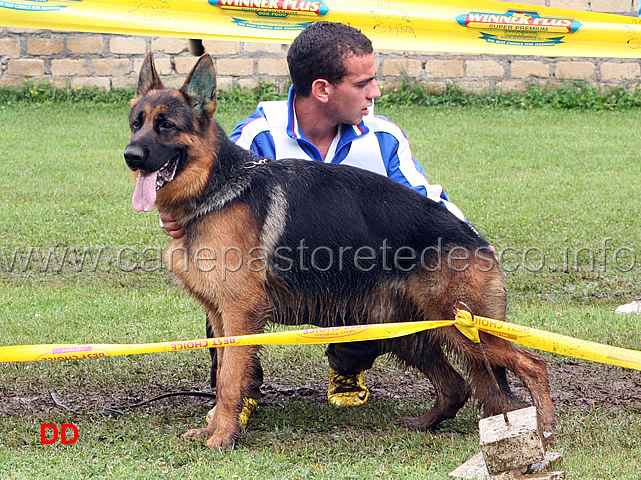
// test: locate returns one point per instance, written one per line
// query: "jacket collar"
(348, 133)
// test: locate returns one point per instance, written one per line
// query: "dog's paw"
(194, 433)
(221, 443)
(423, 423)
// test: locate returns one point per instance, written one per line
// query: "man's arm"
(253, 134)
(403, 168)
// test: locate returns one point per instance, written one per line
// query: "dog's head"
(168, 128)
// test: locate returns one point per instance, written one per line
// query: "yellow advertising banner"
(462, 26)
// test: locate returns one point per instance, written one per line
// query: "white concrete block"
(475, 469)
(512, 446)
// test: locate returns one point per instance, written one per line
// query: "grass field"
(557, 193)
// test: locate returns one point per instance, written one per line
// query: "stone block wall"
(112, 61)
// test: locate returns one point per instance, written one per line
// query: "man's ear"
(321, 89)
(148, 78)
(200, 87)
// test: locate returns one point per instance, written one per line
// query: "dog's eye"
(135, 125)
(166, 125)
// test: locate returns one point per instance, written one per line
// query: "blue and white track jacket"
(376, 144)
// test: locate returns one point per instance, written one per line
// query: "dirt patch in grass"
(585, 385)
(575, 385)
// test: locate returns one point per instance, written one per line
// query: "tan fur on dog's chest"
(220, 258)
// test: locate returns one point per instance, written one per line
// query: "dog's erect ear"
(200, 87)
(148, 78)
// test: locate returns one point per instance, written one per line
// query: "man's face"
(349, 100)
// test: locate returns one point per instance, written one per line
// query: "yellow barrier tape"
(469, 325)
(464, 26)
(29, 353)
(465, 325)
(556, 343)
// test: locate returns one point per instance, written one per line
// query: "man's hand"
(496, 257)
(171, 226)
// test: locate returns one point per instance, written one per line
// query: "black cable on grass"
(117, 410)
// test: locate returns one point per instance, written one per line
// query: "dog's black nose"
(134, 156)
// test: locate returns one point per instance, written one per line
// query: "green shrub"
(575, 95)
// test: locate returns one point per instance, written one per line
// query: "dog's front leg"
(232, 383)
(235, 367)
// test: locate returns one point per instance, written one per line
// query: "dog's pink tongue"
(145, 192)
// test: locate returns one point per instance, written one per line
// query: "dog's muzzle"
(134, 156)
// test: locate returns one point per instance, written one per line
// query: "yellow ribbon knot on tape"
(464, 321)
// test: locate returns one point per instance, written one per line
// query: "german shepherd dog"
(301, 242)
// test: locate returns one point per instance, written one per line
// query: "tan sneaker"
(250, 405)
(347, 390)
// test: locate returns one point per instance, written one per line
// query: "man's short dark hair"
(319, 51)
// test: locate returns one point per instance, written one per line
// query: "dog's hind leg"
(484, 291)
(512, 402)
(452, 391)
(485, 388)
(527, 366)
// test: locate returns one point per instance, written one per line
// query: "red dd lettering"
(43, 433)
(63, 437)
